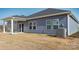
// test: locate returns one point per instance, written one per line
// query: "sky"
(6, 12)
(75, 11)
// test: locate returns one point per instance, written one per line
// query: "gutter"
(48, 15)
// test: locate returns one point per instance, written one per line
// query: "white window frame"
(33, 25)
(47, 24)
(52, 22)
(57, 21)
(29, 25)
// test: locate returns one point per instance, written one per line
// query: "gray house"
(49, 21)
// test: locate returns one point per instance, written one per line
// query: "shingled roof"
(47, 12)
(44, 13)
(21, 16)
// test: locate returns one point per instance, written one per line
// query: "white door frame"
(22, 28)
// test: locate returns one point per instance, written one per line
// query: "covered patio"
(12, 21)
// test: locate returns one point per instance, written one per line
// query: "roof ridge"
(47, 11)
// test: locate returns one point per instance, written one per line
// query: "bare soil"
(31, 41)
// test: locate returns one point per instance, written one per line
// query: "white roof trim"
(74, 17)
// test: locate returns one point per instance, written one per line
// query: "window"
(53, 24)
(55, 21)
(32, 25)
(49, 24)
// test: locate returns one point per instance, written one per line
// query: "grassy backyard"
(30, 41)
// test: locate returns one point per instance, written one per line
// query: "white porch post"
(4, 26)
(11, 26)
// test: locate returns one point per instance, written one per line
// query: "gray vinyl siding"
(15, 26)
(72, 26)
(41, 24)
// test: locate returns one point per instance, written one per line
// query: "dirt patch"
(30, 41)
